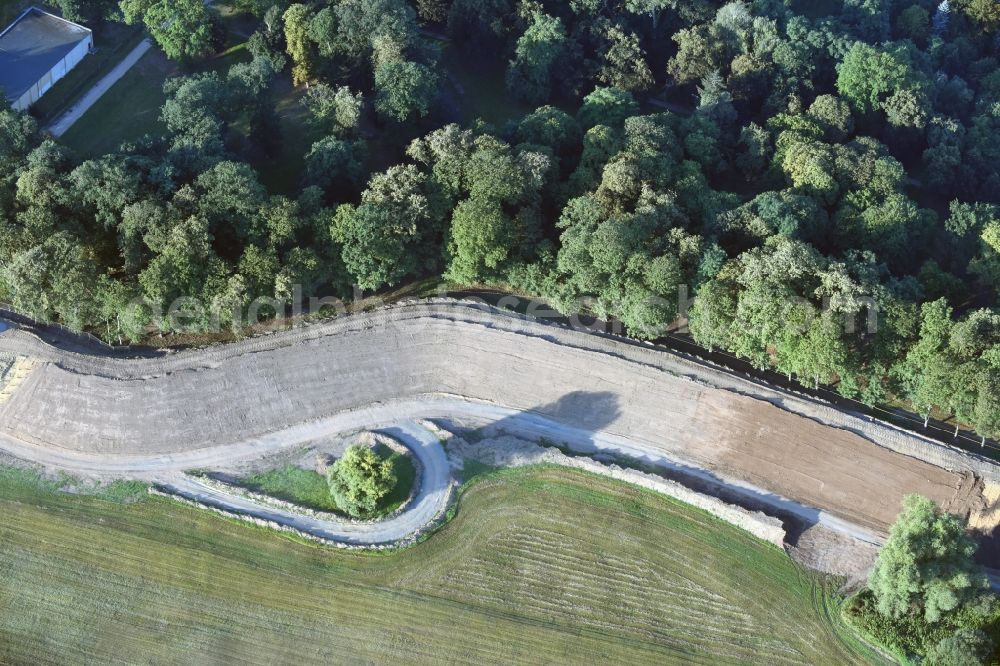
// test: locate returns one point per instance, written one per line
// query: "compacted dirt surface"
(427, 505)
(89, 403)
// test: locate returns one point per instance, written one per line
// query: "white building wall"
(61, 69)
(74, 57)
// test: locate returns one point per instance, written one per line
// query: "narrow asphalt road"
(75, 112)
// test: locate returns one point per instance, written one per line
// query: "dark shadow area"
(571, 424)
(988, 554)
(584, 412)
(589, 410)
(576, 416)
(225, 477)
(67, 340)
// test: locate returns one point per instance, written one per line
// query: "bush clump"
(926, 567)
(966, 647)
(927, 597)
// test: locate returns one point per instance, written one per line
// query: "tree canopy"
(926, 566)
(182, 28)
(360, 479)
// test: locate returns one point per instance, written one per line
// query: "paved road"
(75, 112)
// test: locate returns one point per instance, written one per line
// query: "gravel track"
(428, 505)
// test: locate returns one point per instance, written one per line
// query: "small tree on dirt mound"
(926, 567)
(359, 480)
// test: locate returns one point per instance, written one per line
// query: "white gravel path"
(62, 124)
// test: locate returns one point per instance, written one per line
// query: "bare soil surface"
(114, 409)
(822, 549)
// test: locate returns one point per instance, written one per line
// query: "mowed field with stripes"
(538, 565)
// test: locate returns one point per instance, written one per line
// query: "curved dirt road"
(86, 411)
(399, 419)
(429, 503)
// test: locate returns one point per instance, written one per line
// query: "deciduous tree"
(540, 53)
(404, 89)
(297, 20)
(482, 237)
(624, 62)
(926, 566)
(359, 480)
(182, 28)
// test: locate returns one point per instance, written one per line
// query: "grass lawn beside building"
(131, 108)
(126, 112)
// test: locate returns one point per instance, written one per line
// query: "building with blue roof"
(37, 50)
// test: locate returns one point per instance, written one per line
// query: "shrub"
(913, 635)
(904, 636)
(966, 647)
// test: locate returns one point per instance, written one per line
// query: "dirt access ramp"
(739, 430)
(819, 465)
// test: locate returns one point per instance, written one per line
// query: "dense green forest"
(806, 169)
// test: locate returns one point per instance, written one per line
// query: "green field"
(538, 565)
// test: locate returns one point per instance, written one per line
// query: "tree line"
(814, 174)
